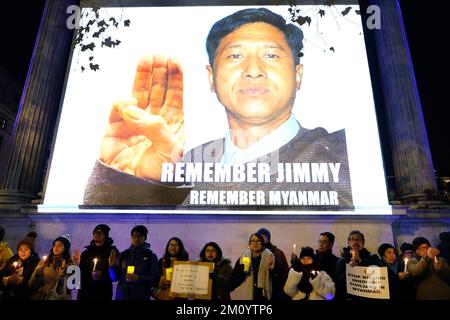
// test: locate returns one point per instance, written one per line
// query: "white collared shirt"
(273, 141)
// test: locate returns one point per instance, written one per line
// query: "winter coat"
(322, 284)
(327, 261)
(399, 289)
(51, 284)
(5, 254)
(367, 259)
(279, 274)
(26, 269)
(444, 245)
(431, 284)
(220, 279)
(92, 289)
(145, 265)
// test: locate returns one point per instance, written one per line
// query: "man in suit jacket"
(254, 68)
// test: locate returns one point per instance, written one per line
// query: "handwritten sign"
(369, 282)
(191, 279)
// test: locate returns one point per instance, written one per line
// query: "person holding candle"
(431, 274)
(305, 280)
(174, 251)
(280, 272)
(96, 283)
(49, 279)
(252, 280)
(355, 254)
(135, 285)
(15, 276)
(211, 252)
(400, 285)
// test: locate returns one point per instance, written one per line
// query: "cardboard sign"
(191, 280)
(368, 282)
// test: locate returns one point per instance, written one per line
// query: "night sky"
(425, 26)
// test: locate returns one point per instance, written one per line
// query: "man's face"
(99, 237)
(356, 242)
(254, 75)
(324, 244)
(421, 250)
(137, 239)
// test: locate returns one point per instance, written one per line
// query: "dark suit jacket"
(109, 187)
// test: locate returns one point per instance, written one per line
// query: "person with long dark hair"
(49, 279)
(252, 273)
(211, 252)
(174, 251)
(15, 276)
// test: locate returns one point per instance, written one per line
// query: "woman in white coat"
(306, 282)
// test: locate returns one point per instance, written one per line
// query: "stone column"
(413, 166)
(35, 123)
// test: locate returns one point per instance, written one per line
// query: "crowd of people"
(261, 273)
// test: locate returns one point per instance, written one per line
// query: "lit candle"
(314, 272)
(294, 246)
(44, 258)
(15, 264)
(95, 264)
(130, 269)
(169, 272)
(246, 262)
(436, 259)
(406, 264)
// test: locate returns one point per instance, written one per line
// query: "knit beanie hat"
(265, 232)
(307, 252)
(103, 228)
(418, 241)
(28, 241)
(382, 249)
(65, 239)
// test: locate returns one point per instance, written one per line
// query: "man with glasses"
(432, 273)
(356, 255)
(136, 269)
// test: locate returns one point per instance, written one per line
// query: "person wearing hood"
(355, 255)
(431, 273)
(136, 268)
(211, 252)
(174, 251)
(15, 276)
(49, 279)
(400, 285)
(96, 283)
(306, 281)
(280, 272)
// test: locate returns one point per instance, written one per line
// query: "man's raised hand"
(147, 129)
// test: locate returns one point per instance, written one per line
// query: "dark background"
(426, 28)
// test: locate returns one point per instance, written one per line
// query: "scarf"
(245, 290)
(304, 285)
